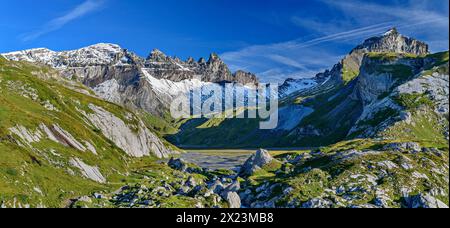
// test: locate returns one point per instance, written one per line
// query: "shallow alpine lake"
(226, 158)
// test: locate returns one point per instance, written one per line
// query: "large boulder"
(233, 199)
(255, 162)
(177, 164)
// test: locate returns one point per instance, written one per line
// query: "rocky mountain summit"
(176, 70)
(348, 68)
(95, 55)
(393, 41)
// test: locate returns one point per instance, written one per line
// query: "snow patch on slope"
(294, 85)
(174, 89)
(291, 116)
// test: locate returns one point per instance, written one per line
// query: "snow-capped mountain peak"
(30, 55)
(98, 54)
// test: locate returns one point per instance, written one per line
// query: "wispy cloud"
(79, 11)
(424, 19)
(296, 58)
(359, 20)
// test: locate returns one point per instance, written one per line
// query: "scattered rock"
(388, 165)
(317, 203)
(217, 187)
(85, 199)
(410, 147)
(424, 201)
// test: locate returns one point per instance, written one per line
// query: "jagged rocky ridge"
(120, 76)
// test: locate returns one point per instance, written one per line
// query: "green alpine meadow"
(94, 127)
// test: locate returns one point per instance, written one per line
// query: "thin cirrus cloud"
(79, 11)
(297, 58)
(304, 58)
(418, 17)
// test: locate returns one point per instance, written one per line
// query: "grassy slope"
(27, 171)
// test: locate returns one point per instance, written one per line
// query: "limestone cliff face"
(383, 80)
(378, 76)
(136, 141)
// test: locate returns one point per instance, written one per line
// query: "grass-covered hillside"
(51, 149)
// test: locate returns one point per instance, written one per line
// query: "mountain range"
(373, 131)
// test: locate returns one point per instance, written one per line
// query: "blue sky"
(275, 39)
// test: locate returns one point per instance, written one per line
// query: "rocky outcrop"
(435, 85)
(244, 78)
(66, 138)
(26, 135)
(90, 172)
(136, 141)
(54, 133)
(386, 77)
